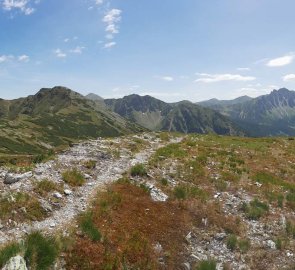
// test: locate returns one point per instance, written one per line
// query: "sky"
(170, 49)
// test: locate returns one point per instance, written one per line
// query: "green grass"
(207, 265)
(172, 150)
(87, 226)
(269, 179)
(183, 192)
(290, 228)
(24, 207)
(45, 186)
(255, 209)
(290, 198)
(8, 252)
(164, 182)
(73, 177)
(231, 242)
(41, 252)
(138, 170)
(244, 245)
(90, 164)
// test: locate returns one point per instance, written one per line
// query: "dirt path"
(109, 167)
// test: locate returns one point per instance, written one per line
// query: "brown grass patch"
(131, 224)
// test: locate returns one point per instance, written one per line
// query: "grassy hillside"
(55, 117)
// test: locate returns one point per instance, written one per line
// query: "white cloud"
(167, 78)
(5, 58)
(112, 16)
(112, 19)
(280, 61)
(60, 54)
(109, 45)
(99, 2)
(243, 69)
(77, 50)
(289, 77)
(66, 40)
(23, 58)
(21, 5)
(109, 36)
(211, 78)
(112, 28)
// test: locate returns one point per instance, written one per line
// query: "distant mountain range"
(267, 115)
(184, 116)
(58, 116)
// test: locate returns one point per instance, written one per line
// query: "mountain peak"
(281, 90)
(94, 97)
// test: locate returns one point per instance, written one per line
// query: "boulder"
(11, 178)
(16, 263)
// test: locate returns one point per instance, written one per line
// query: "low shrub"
(73, 177)
(88, 227)
(244, 245)
(45, 186)
(207, 265)
(41, 251)
(290, 228)
(232, 242)
(24, 207)
(8, 252)
(90, 164)
(290, 199)
(183, 192)
(255, 209)
(164, 182)
(138, 170)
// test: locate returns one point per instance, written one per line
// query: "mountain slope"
(217, 104)
(267, 115)
(184, 116)
(55, 117)
(94, 97)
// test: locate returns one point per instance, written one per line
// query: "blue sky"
(170, 49)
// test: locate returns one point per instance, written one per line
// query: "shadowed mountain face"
(268, 115)
(184, 116)
(55, 117)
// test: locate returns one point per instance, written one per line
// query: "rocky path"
(63, 208)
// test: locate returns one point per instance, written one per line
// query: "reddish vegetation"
(131, 225)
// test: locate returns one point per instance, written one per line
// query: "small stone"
(158, 248)
(289, 254)
(186, 266)
(220, 236)
(271, 244)
(87, 176)
(52, 225)
(258, 184)
(189, 236)
(217, 195)
(67, 192)
(57, 195)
